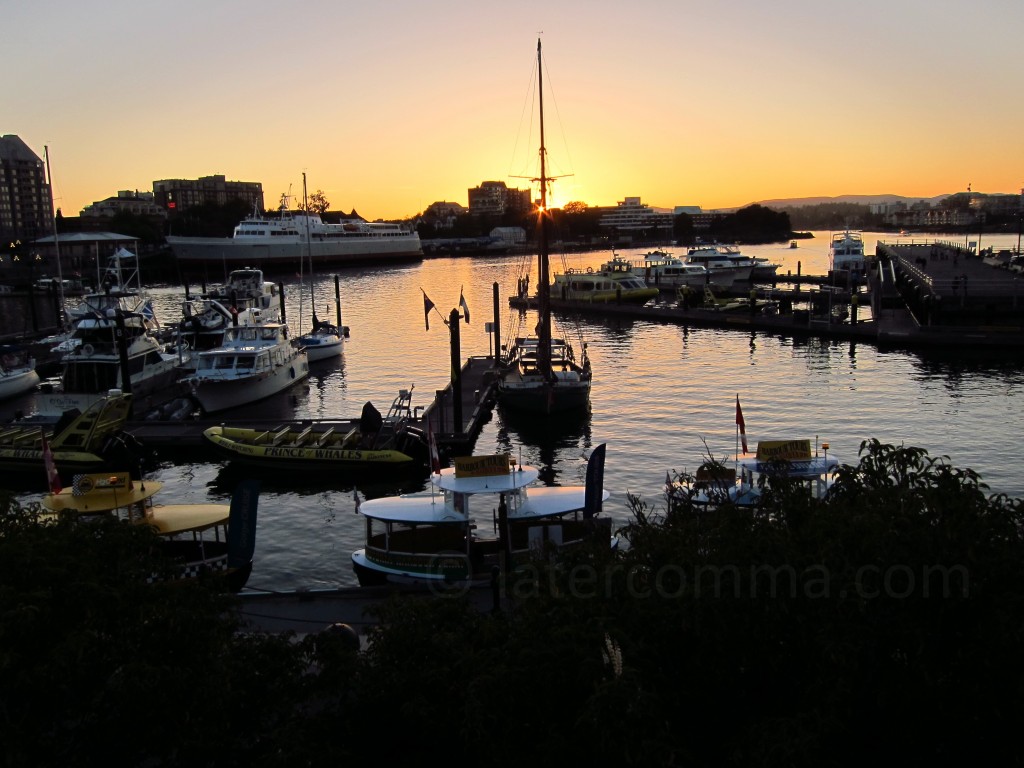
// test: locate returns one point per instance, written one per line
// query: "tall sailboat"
(540, 372)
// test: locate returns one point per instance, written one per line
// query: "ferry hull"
(227, 251)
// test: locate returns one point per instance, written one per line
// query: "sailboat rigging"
(325, 340)
(540, 373)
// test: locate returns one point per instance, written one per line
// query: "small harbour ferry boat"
(92, 440)
(437, 537)
(17, 371)
(281, 240)
(789, 460)
(255, 361)
(614, 281)
(391, 443)
(201, 540)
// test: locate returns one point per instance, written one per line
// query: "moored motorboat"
(255, 361)
(17, 372)
(846, 255)
(205, 319)
(614, 281)
(719, 261)
(665, 271)
(200, 540)
(433, 538)
(391, 443)
(108, 344)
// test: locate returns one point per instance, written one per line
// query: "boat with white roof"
(438, 538)
(255, 361)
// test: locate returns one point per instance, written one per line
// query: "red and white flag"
(52, 476)
(740, 424)
(435, 457)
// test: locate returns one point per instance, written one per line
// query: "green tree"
(318, 202)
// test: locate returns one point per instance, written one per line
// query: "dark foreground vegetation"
(885, 623)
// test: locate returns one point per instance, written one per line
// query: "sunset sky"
(391, 105)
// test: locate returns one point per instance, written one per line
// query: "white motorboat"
(205, 319)
(436, 538)
(665, 270)
(261, 240)
(93, 365)
(538, 373)
(720, 262)
(846, 254)
(255, 361)
(17, 372)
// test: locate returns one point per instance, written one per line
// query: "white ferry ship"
(261, 240)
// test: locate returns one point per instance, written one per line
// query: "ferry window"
(245, 361)
(224, 362)
(249, 334)
(268, 334)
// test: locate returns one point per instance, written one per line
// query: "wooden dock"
(456, 416)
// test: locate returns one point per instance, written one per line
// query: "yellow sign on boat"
(482, 466)
(783, 450)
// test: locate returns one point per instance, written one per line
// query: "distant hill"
(797, 202)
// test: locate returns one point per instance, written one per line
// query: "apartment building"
(25, 204)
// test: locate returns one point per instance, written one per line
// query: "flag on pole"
(427, 306)
(464, 305)
(435, 457)
(52, 476)
(740, 424)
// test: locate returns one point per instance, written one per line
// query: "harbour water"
(663, 396)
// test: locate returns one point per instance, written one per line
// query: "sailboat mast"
(309, 253)
(53, 223)
(543, 288)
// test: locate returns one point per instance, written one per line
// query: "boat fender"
(590, 270)
(291, 372)
(87, 350)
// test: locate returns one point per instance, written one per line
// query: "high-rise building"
(25, 205)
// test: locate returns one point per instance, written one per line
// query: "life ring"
(87, 350)
(590, 270)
